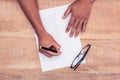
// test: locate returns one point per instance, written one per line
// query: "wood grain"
(19, 55)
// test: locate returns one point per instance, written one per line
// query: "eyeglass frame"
(80, 61)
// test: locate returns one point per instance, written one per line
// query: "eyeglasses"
(80, 57)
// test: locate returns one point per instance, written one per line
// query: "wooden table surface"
(19, 56)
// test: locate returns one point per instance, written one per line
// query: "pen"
(48, 49)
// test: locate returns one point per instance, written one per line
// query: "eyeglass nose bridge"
(82, 58)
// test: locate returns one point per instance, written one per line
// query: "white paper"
(55, 25)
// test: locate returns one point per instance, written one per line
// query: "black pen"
(48, 49)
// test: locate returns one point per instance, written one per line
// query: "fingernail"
(66, 31)
(83, 30)
(60, 52)
(70, 36)
(63, 17)
(76, 36)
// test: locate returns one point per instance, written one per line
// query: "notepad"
(55, 25)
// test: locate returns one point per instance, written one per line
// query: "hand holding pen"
(48, 46)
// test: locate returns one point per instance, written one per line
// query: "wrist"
(88, 1)
(41, 33)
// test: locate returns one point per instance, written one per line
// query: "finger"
(52, 47)
(70, 23)
(79, 28)
(57, 46)
(52, 53)
(74, 28)
(85, 24)
(81, 24)
(67, 12)
(43, 52)
(49, 53)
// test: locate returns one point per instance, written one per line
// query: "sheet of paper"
(55, 25)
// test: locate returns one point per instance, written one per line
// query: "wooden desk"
(18, 53)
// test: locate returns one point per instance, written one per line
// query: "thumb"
(57, 46)
(67, 12)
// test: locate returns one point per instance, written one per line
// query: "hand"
(80, 10)
(47, 41)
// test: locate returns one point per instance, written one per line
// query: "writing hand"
(47, 41)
